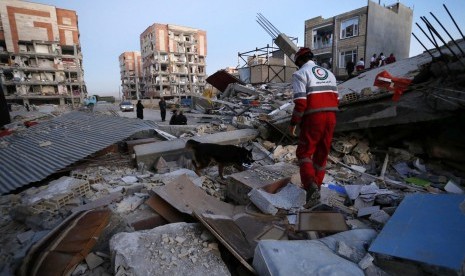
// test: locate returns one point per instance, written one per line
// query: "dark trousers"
(163, 114)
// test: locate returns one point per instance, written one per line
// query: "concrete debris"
(380, 216)
(93, 260)
(129, 204)
(369, 173)
(160, 252)
(366, 261)
(129, 179)
(287, 198)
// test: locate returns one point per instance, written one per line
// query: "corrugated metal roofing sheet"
(73, 136)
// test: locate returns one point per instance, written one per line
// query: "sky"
(109, 28)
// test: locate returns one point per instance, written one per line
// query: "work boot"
(313, 196)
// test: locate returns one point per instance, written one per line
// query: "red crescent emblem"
(318, 71)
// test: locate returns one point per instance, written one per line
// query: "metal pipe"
(445, 30)
(453, 20)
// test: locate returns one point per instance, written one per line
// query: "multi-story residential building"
(131, 75)
(360, 33)
(173, 60)
(40, 54)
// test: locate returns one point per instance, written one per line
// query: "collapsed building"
(40, 54)
(130, 65)
(173, 60)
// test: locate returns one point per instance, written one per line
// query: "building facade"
(265, 65)
(360, 33)
(173, 60)
(40, 54)
(130, 65)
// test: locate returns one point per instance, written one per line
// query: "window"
(349, 28)
(346, 56)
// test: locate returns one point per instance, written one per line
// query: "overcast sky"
(109, 28)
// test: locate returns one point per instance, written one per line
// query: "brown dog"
(223, 155)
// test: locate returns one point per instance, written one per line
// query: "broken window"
(346, 56)
(323, 37)
(67, 50)
(349, 28)
(2, 46)
(4, 60)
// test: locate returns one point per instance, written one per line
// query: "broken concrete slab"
(132, 143)
(287, 198)
(156, 252)
(92, 260)
(129, 204)
(104, 201)
(365, 211)
(187, 198)
(171, 150)
(178, 130)
(271, 176)
(144, 218)
(380, 216)
(353, 190)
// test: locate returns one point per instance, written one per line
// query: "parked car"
(126, 106)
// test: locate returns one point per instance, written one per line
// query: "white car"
(126, 106)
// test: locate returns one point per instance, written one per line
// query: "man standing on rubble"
(316, 101)
(162, 105)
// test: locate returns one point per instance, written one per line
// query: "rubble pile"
(177, 249)
(151, 213)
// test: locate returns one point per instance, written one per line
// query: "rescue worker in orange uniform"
(316, 101)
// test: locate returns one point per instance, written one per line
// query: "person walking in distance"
(162, 105)
(316, 101)
(140, 110)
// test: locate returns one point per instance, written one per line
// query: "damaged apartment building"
(40, 54)
(131, 78)
(360, 33)
(173, 60)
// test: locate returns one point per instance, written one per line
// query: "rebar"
(267, 25)
(453, 20)
(426, 49)
(432, 29)
(445, 30)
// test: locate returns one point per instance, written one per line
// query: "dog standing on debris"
(223, 155)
